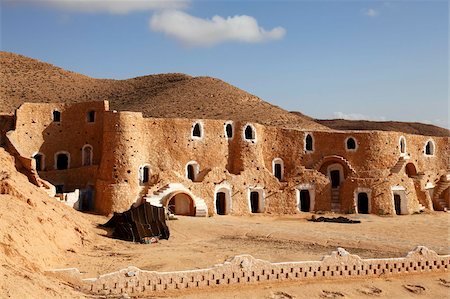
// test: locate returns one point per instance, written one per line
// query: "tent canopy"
(138, 223)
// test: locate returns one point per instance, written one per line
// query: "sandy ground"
(202, 242)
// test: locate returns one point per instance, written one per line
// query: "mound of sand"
(35, 232)
(23, 79)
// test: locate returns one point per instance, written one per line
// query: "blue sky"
(369, 59)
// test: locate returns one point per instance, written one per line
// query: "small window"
(192, 169)
(429, 148)
(402, 145)
(249, 133)
(40, 161)
(62, 161)
(87, 155)
(56, 116)
(91, 116)
(309, 143)
(351, 144)
(197, 131)
(59, 189)
(278, 168)
(229, 131)
(144, 174)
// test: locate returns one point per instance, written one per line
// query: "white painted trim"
(312, 195)
(254, 140)
(346, 147)
(225, 188)
(56, 159)
(202, 132)
(368, 191)
(313, 143)
(261, 203)
(196, 167)
(83, 154)
(281, 162)
(141, 173)
(42, 160)
(225, 129)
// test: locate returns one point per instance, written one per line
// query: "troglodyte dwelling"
(105, 161)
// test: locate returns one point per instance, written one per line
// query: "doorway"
(221, 203)
(254, 202)
(181, 204)
(335, 178)
(305, 201)
(398, 204)
(363, 203)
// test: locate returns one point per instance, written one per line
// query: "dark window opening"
(229, 130)
(363, 203)
(305, 201)
(87, 156)
(309, 143)
(402, 146)
(429, 150)
(39, 161)
(56, 116)
(190, 172)
(397, 204)
(254, 202)
(249, 134)
(351, 144)
(221, 203)
(196, 132)
(145, 174)
(62, 161)
(91, 116)
(59, 189)
(335, 177)
(278, 171)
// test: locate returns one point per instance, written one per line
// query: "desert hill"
(36, 234)
(364, 125)
(24, 79)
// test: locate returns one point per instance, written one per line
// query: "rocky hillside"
(23, 79)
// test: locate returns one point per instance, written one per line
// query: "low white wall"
(245, 269)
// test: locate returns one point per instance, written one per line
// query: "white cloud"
(357, 116)
(108, 6)
(197, 32)
(370, 12)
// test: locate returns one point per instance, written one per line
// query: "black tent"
(138, 223)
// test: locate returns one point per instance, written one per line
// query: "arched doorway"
(410, 170)
(181, 204)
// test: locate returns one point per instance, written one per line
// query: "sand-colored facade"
(207, 167)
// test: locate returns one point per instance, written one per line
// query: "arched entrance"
(181, 204)
(410, 170)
